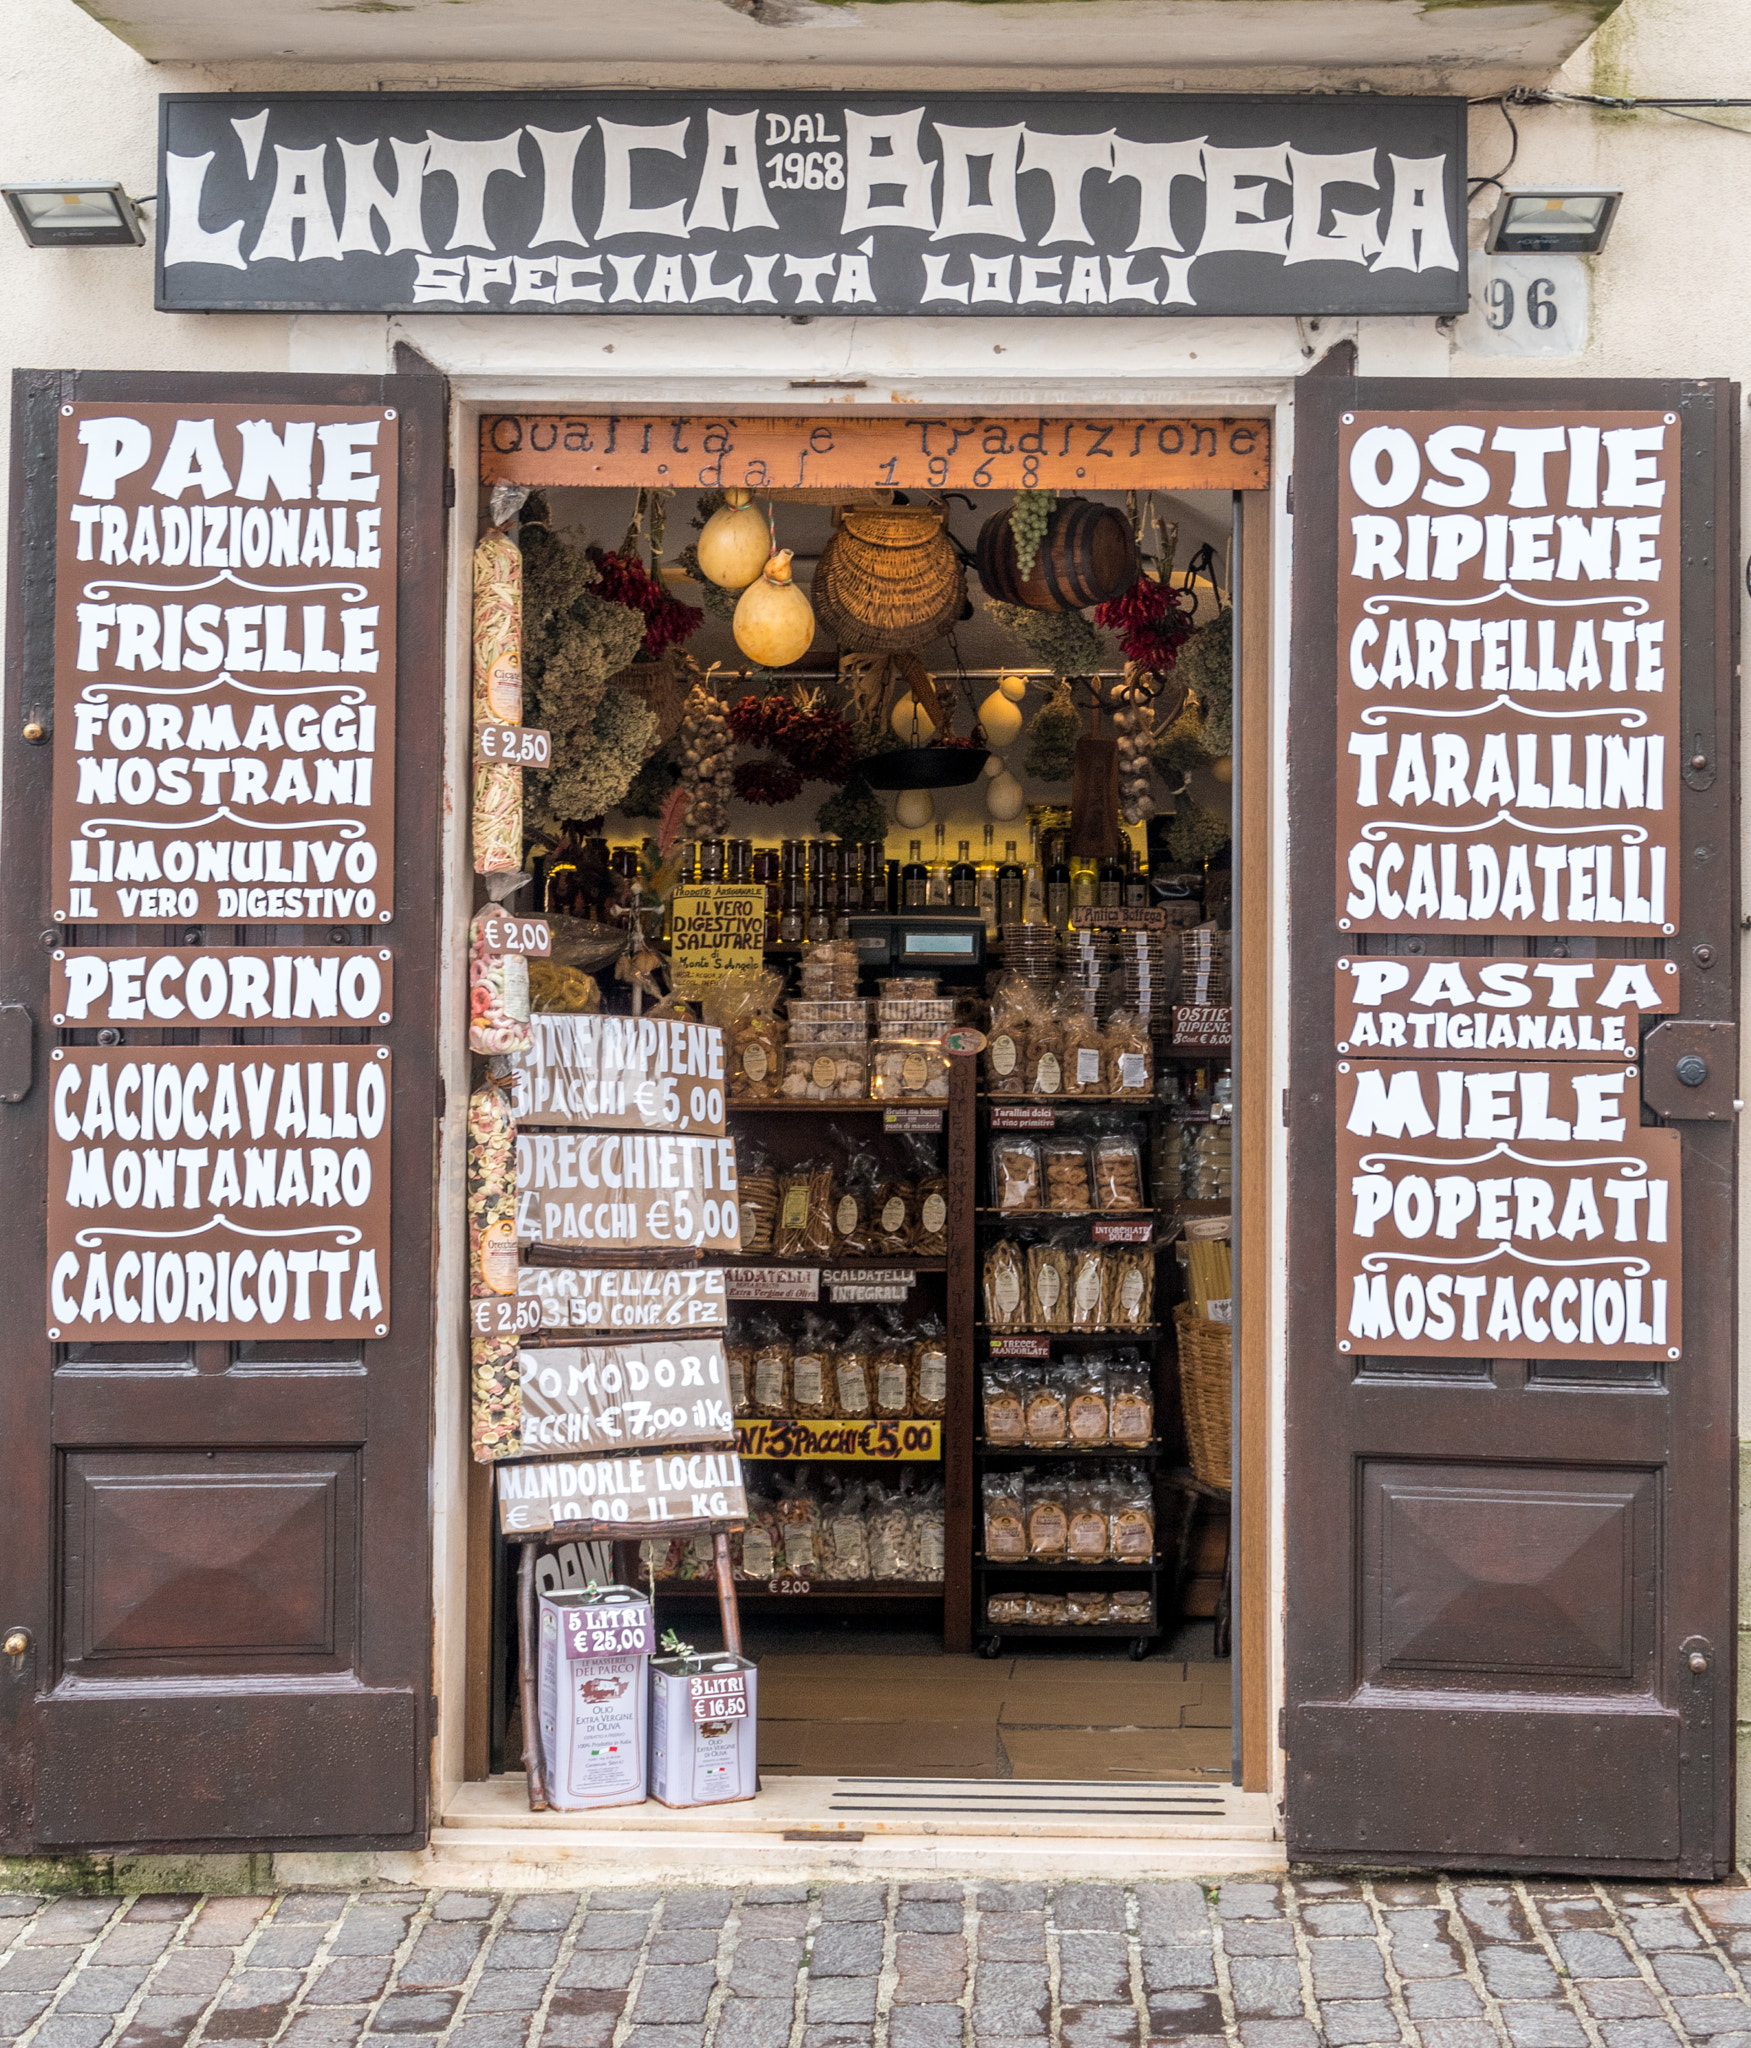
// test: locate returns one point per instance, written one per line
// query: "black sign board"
(849, 203)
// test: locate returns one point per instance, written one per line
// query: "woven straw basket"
(1206, 1390)
(662, 686)
(888, 579)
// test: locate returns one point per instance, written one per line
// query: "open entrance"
(982, 1331)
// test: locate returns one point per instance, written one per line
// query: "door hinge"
(449, 490)
(1285, 1109)
(443, 1098)
(1283, 1729)
(1289, 496)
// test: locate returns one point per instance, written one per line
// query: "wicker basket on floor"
(1206, 1387)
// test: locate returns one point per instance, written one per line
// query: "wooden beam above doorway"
(709, 451)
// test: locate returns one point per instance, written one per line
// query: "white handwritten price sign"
(623, 1074)
(622, 1495)
(619, 1397)
(627, 1191)
(623, 1297)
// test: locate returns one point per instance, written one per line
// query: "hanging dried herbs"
(1196, 834)
(1052, 736)
(623, 579)
(1204, 729)
(1063, 641)
(651, 787)
(721, 603)
(854, 813)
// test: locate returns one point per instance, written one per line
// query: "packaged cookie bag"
(929, 1368)
(1068, 1178)
(1006, 1305)
(854, 1373)
(1118, 1172)
(1090, 1419)
(855, 1227)
(1005, 1530)
(1048, 1282)
(810, 1386)
(771, 1371)
(1088, 1296)
(1131, 1515)
(893, 1374)
(1130, 1055)
(1016, 1176)
(1083, 1049)
(757, 1195)
(1002, 1404)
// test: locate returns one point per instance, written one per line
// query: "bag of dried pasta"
(855, 1225)
(896, 1214)
(757, 1198)
(739, 1361)
(1131, 1402)
(799, 1522)
(1047, 1518)
(854, 1373)
(1083, 1048)
(1090, 1418)
(930, 1186)
(1005, 1527)
(1087, 1539)
(893, 1376)
(1003, 1406)
(771, 1370)
(1014, 1011)
(1130, 1055)
(1006, 1305)
(810, 1383)
(1131, 1514)
(930, 1368)
(844, 1532)
(1045, 1418)
(1087, 1289)
(1048, 1286)
(1130, 1287)
(498, 700)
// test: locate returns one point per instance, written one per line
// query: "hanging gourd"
(1222, 768)
(1001, 719)
(911, 722)
(1004, 795)
(914, 808)
(1013, 687)
(736, 542)
(774, 623)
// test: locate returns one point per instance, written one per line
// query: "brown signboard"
(624, 1397)
(184, 986)
(219, 1192)
(623, 1297)
(617, 1191)
(1495, 1210)
(1556, 1009)
(1508, 719)
(622, 1074)
(622, 1495)
(1203, 1024)
(224, 700)
(964, 453)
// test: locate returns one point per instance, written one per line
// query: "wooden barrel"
(1088, 556)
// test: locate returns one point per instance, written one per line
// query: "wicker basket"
(662, 686)
(888, 579)
(1206, 1391)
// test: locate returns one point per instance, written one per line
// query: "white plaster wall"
(1667, 300)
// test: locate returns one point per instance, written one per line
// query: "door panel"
(1510, 1593)
(220, 1549)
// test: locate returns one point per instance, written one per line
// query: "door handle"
(17, 1052)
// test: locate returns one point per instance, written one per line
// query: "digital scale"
(949, 944)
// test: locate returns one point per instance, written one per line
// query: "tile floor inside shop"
(828, 1715)
(1296, 1963)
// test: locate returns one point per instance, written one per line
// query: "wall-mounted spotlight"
(76, 216)
(1539, 220)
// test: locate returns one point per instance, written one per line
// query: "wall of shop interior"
(78, 103)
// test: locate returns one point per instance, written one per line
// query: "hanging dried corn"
(498, 700)
(492, 1268)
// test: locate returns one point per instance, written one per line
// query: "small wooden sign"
(515, 746)
(184, 987)
(622, 1297)
(1108, 917)
(622, 1074)
(773, 1283)
(634, 1494)
(1023, 1116)
(1123, 1233)
(1197, 1025)
(500, 932)
(1021, 1347)
(1493, 1210)
(627, 1191)
(218, 1192)
(911, 1119)
(1410, 1007)
(622, 1397)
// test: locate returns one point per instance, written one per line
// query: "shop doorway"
(901, 1633)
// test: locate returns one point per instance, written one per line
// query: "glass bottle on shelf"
(875, 876)
(915, 879)
(1057, 883)
(937, 891)
(1011, 887)
(988, 886)
(963, 880)
(1112, 882)
(1084, 883)
(820, 919)
(790, 923)
(1136, 882)
(1033, 900)
(768, 872)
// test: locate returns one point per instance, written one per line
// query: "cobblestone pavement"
(1267, 1963)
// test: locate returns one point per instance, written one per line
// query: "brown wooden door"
(218, 1551)
(1511, 1580)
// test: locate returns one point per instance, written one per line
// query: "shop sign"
(1023, 1116)
(773, 1283)
(224, 684)
(1021, 1347)
(186, 986)
(1123, 1233)
(911, 1119)
(959, 451)
(219, 1192)
(1502, 1210)
(622, 1074)
(860, 204)
(622, 1495)
(1554, 1009)
(619, 1397)
(621, 1297)
(1203, 1024)
(794, 1437)
(1508, 718)
(715, 932)
(631, 1191)
(1090, 917)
